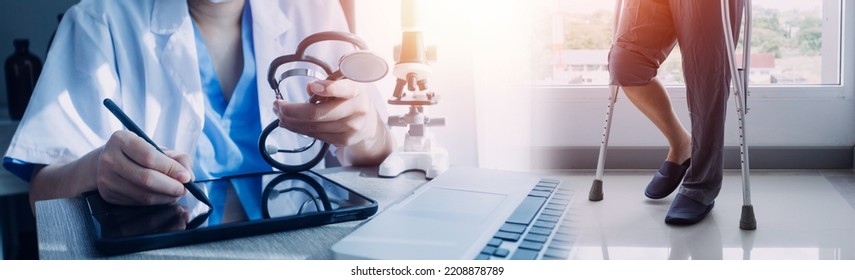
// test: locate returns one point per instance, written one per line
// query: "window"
(794, 42)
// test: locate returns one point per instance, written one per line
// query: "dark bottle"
(22, 72)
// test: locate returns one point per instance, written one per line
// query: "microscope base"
(432, 163)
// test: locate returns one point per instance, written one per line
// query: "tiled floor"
(801, 215)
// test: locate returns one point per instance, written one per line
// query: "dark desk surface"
(64, 231)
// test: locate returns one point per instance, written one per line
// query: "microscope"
(420, 151)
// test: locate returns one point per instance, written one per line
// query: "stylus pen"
(127, 122)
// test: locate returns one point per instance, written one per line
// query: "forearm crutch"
(740, 79)
(596, 192)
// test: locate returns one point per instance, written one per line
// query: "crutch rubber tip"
(747, 221)
(596, 193)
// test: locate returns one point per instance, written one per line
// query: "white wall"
(379, 23)
(560, 119)
(482, 63)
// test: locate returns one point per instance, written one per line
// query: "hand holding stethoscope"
(336, 110)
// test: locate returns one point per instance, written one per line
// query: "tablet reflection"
(140, 220)
(294, 194)
(249, 198)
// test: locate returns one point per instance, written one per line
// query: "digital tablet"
(242, 206)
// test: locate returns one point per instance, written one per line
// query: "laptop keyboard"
(535, 229)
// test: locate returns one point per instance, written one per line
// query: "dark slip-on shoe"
(685, 211)
(667, 179)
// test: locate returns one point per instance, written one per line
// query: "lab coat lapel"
(179, 59)
(269, 26)
(171, 18)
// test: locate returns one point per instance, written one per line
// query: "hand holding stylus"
(130, 172)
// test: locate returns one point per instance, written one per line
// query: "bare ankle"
(680, 152)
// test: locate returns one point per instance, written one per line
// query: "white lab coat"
(142, 55)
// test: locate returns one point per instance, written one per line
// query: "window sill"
(803, 92)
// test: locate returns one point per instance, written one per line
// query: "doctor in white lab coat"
(144, 56)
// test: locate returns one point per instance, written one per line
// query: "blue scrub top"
(229, 141)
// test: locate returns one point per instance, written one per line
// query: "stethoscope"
(360, 65)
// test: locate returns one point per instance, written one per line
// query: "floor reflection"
(695, 243)
(800, 217)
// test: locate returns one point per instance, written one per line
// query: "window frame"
(843, 89)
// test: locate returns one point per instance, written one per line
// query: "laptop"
(471, 213)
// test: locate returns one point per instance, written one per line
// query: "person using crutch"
(647, 32)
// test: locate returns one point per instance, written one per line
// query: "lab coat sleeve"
(65, 118)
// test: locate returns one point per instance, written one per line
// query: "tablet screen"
(235, 200)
